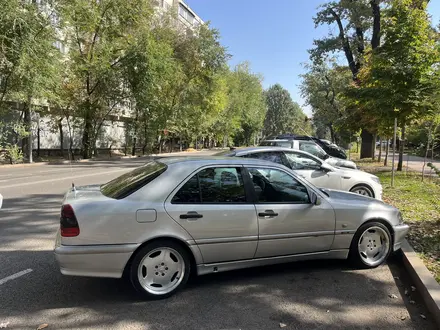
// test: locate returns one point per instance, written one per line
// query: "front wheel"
(159, 269)
(371, 245)
(362, 189)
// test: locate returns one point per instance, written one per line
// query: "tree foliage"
(283, 115)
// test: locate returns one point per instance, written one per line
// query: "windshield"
(313, 149)
(128, 183)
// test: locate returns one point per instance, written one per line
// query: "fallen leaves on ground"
(42, 326)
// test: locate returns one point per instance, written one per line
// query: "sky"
(273, 36)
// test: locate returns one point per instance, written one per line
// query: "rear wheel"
(362, 189)
(160, 269)
(371, 245)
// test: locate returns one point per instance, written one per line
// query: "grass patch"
(419, 203)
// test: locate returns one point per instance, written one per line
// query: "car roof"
(276, 140)
(212, 160)
(249, 150)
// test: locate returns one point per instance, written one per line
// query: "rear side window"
(128, 183)
(211, 186)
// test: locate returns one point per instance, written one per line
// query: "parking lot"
(306, 295)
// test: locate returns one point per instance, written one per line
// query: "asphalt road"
(306, 295)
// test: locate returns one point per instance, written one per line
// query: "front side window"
(211, 186)
(301, 162)
(313, 149)
(275, 186)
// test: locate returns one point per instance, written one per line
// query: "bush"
(434, 168)
(14, 154)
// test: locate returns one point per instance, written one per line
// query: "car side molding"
(232, 265)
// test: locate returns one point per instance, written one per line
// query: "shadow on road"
(303, 295)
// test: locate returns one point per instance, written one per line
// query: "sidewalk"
(414, 163)
(203, 152)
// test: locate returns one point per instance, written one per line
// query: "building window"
(186, 14)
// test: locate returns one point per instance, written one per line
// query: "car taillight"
(68, 223)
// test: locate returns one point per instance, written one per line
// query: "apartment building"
(186, 16)
(47, 138)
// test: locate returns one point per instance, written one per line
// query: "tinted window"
(275, 186)
(213, 185)
(302, 162)
(284, 144)
(313, 149)
(128, 183)
(275, 157)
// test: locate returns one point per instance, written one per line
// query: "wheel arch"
(362, 184)
(178, 241)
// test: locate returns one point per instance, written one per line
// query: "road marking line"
(14, 276)
(68, 177)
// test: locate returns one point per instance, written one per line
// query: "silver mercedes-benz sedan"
(169, 218)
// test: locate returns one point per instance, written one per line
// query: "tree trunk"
(180, 142)
(379, 159)
(60, 129)
(87, 134)
(29, 125)
(373, 147)
(135, 124)
(375, 8)
(401, 147)
(160, 144)
(332, 133)
(38, 140)
(367, 140)
(71, 155)
(387, 149)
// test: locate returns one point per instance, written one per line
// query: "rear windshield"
(226, 153)
(128, 183)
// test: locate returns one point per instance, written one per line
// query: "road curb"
(425, 283)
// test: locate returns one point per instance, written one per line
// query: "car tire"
(371, 245)
(363, 189)
(160, 269)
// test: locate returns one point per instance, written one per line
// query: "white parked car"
(315, 170)
(312, 148)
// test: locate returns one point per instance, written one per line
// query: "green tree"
(323, 88)
(355, 21)
(244, 115)
(99, 34)
(283, 115)
(401, 75)
(28, 58)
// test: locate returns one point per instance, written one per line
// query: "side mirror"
(315, 199)
(325, 167)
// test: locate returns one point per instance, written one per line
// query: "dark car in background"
(330, 148)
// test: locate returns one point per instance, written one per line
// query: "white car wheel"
(159, 269)
(363, 190)
(371, 245)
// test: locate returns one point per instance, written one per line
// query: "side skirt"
(203, 269)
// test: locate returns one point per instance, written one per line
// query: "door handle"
(267, 213)
(191, 215)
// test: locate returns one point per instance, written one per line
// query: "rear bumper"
(93, 260)
(400, 232)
